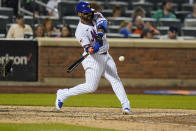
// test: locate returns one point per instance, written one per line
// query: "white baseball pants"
(95, 66)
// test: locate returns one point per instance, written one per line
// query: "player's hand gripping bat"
(91, 51)
(76, 63)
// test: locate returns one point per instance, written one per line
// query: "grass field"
(46, 127)
(102, 100)
(89, 100)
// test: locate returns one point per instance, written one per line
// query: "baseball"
(121, 58)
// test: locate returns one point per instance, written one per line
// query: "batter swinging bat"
(76, 63)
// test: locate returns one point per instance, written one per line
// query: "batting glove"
(95, 48)
(91, 50)
(99, 36)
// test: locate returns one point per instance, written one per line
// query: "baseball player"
(91, 35)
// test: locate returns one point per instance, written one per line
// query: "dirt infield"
(112, 118)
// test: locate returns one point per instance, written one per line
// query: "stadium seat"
(67, 8)
(73, 28)
(118, 20)
(187, 7)
(2, 35)
(146, 6)
(154, 1)
(115, 35)
(71, 20)
(190, 22)
(188, 31)
(123, 5)
(163, 29)
(103, 0)
(102, 3)
(29, 20)
(54, 34)
(152, 12)
(134, 36)
(128, 13)
(182, 15)
(189, 38)
(107, 12)
(113, 29)
(28, 35)
(152, 21)
(6, 11)
(180, 1)
(129, 1)
(3, 21)
(169, 22)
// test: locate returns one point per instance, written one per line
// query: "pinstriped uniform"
(97, 65)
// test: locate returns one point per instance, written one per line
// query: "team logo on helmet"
(84, 7)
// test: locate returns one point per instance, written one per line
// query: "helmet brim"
(88, 11)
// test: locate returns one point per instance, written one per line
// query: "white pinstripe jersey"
(85, 34)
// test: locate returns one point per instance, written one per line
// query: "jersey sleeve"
(98, 17)
(100, 21)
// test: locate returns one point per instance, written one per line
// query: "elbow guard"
(102, 25)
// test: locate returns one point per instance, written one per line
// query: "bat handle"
(73, 66)
(87, 54)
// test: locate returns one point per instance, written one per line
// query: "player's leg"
(93, 73)
(91, 84)
(111, 75)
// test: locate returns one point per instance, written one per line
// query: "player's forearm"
(102, 26)
(93, 49)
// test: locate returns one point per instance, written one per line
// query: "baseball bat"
(76, 63)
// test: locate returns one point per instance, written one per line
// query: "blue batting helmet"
(84, 7)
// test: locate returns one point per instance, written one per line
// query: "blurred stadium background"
(64, 14)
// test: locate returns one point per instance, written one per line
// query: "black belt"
(104, 53)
